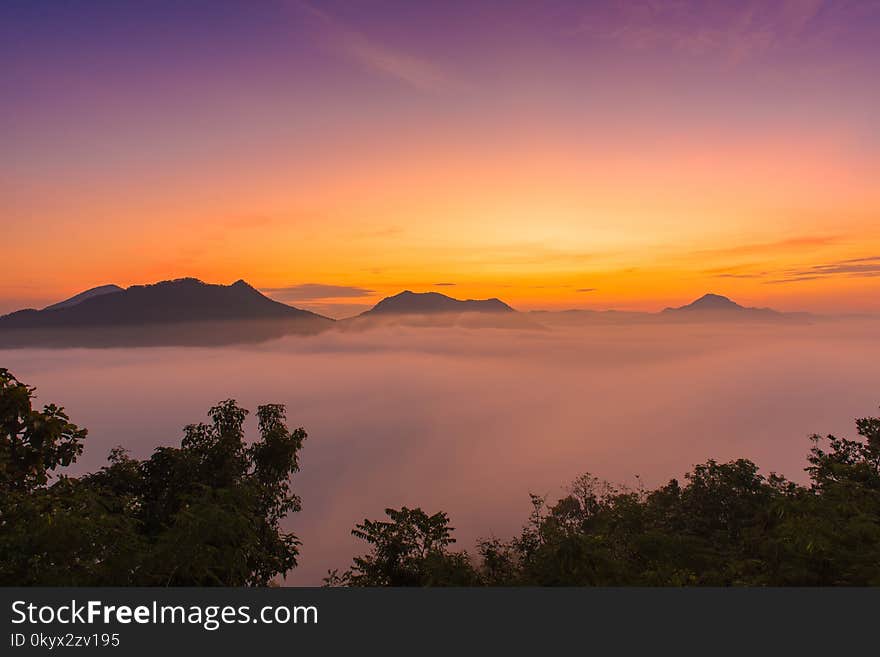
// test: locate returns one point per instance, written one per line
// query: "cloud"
(586, 289)
(795, 15)
(733, 275)
(740, 271)
(796, 279)
(735, 32)
(444, 284)
(315, 291)
(336, 310)
(364, 395)
(759, 248)
(872, 259)
(868, 266)
(379, 58)
(524, 254)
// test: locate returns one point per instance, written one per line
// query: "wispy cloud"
(379, 58)
(868, 266)
(853, 268)
(336, 310)
(743, 275)
(760, 248)
(735, 31)
(315, 291)
(525, 254)
(737, 271)
(444, 284)
(586, 289)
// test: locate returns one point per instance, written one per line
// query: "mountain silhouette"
(710, 302)
(408, 302)
(715, 306)
(182, 311)
(181, 300)
(82, 296)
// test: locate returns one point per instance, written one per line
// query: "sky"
(628, 155)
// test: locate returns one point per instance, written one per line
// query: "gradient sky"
(555, 154)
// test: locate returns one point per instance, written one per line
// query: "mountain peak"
(717, 307)
(83, 296)
(712, 300)
(409, 302)
(709, 301)
(170, 301)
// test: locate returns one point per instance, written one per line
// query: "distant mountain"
(709, 302)
(182, 311)
(82, 296)
(423, 303)
(181, 300)
(715, 306)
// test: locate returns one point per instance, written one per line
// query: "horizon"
(579, 156)
(337, 310)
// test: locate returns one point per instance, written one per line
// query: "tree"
(206, 513)
(410, 550)
(726, 524)
(32, 443)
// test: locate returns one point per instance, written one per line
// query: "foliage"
(410, 550)
(205, 513)
(725, 525)
(34, 443)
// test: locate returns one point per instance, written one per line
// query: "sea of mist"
(470, 420)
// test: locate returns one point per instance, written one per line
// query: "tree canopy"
(726, 524)
(205, 513)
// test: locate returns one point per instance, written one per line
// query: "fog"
(470, 419)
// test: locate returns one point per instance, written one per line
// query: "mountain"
(82, 296)
(709, 308)
(715, 306)
(709, 302)
(421, 303)
(181, 300)
(182, 311)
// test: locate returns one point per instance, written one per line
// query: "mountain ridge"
(409, 302)
(711, 303)
(83, 296)
(188, 311)
(170, 301)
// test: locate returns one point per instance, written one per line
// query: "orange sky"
(550, 170)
